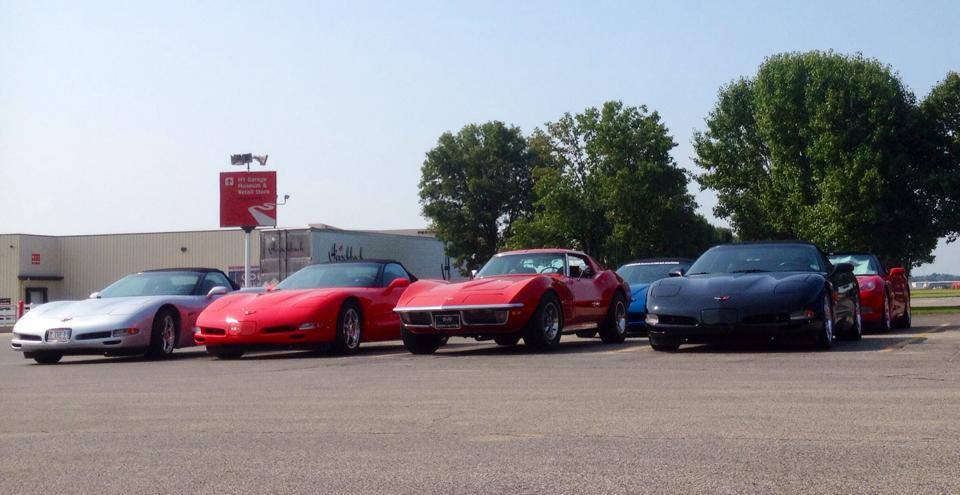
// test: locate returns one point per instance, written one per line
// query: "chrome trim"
(580, 326)
(462, 307)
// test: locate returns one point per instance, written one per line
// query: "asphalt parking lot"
(877, 416)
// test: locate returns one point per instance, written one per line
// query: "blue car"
(640, 274)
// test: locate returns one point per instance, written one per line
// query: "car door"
(386, 322)
(587, 295)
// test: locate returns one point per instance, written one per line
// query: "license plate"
(446, 322)
(58, 335)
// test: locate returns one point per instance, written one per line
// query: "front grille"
(93, 335)
(677, 320)
(418, 318)
(768, 319)
(281, 329)
(485, 316)
(21, 336)
(213, 331)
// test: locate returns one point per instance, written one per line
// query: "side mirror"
(271, 287)
(95, 295)
(217, 291)
(843, 268)
(587, 273)
(676, 272)
(397, 283)
(898, 272)
(473, 274)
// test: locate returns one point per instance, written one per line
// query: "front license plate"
(58, 335)
(446, 322)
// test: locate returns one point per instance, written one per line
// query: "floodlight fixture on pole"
(246, 159)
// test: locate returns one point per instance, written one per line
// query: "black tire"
(545, 327)
(349, 329)
(225, 352)
(855, 332)
(48, 358)
(587, 334)
(824, 336)
(164, 334)
(664, 344)
(614, 328)
(507, 339)
(905, 321)
(420, 343)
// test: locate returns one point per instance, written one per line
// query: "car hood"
(250, 302)
(93, 307)
(480, 291)
(738, 288)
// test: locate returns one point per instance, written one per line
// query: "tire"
(885, 317)
(614, 328)
(48, 358)
(824, 337)
(543, 330)
(664, 344)
(349, 329)
(905, 321)
(507, 339)
(856, 333)
(163, 335)
(225, 352)
(420, 344)
(587, 334)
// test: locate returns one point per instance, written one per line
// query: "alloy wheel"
(351, 328)
(551, 321)
(621, 318)
(168, 334)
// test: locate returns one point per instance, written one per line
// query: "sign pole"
(246, 256)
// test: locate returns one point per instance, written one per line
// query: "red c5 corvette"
(536, 295)
(341, 304)
(884, 295)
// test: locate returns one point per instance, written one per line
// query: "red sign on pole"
(248, 199)
(34, 258)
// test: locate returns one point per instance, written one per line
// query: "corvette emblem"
(721, 298)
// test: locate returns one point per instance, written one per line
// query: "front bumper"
(80, 343)
(248, 334)
(474, 320)
(701, 333)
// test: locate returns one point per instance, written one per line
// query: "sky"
(118, 116)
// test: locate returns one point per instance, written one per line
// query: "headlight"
(308, 326)
(124, 332)
(652, 319)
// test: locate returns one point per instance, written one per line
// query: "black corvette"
(765, 289)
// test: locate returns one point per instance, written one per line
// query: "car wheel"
(885, 316)
(225, 352)
(824, 338)
(543, 330)
(349, 329)
(507, 339)
(856, 332)
(907, 319)
(163, 335)
(420, 344)
(664, 344)
(48, 358)
(614, 329)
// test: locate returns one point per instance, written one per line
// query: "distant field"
(935, 310)
(935, 293)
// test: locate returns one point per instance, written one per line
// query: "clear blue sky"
(117, 116)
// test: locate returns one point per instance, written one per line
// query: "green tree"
(941, 114)
(823, 147)
(608, 186)
(474, 185)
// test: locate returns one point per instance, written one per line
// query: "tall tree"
(609, 186)
(823, 147)
(474, 185)
(941, 114)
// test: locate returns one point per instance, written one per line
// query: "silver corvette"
(150, 313)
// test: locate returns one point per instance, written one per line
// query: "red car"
(884, 294)
(339, 304)
(536, 295)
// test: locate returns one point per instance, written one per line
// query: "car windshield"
(153, 284)
(863, 264)
(518, 264)
(645, 273)
(758, 258)
(333, 275)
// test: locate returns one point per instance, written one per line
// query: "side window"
(578, 266)
(214, 279)
(392, 272)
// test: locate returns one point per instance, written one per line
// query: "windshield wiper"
(749, 270)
